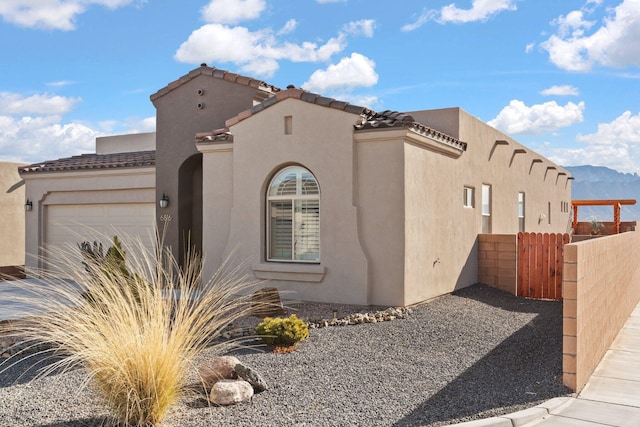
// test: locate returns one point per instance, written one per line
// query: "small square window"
(469, 197)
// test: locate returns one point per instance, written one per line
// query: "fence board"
(540, 259)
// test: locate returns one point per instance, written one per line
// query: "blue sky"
(562, 77)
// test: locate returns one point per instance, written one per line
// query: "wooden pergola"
(616, 209)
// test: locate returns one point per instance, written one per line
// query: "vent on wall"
(288, 125)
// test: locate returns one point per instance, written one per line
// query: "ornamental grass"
(136, 332)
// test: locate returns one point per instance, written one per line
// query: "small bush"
(282, 331)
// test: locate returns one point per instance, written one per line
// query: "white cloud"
(481, 10)
(518, 118)
(613, 44)
(289, 27)
(32, 139)
(363, 27)
(60, 83)
(232, 11)
(563, 90)
(51, 14)
(256, 52)
(626, 128)
(614, 145)
(351, 72)
(426, 16)
(529, 48)
(139, 126)
(45, 104)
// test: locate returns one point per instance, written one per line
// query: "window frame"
(294, 199)
(469, 202)
(521, 211)
(486, 216)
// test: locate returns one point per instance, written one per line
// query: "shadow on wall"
(532, 357)
(469, 271)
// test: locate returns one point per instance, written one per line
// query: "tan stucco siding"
(440, 236)
(381, 209)
(217, 196)
(199, 105)
(510, 172)
(321, 141)
(509, 167)
(12, 200)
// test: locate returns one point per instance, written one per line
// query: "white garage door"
(68, 225)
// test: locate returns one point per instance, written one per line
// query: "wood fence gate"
(540, 258)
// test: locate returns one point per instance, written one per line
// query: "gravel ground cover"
(473, 354)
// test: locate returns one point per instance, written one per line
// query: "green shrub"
(282, 331)
(111, 267)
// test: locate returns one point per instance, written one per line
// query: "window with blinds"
(293, 216)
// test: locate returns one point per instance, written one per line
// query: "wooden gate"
(540, 259)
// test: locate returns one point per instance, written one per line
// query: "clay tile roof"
(301, 94)
(94, 161)
(216, 135)
(218, 74)
(392, 119)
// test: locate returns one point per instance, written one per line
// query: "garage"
(68, 225)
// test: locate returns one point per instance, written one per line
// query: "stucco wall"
(126, 143)
(12, 200)
(600, 289)
(442, 244)
(380, 164)
(394, 228)
(125, 185)
(196, 103)
(321, 141)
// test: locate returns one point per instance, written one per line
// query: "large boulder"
(230, 392)
(251, 376)
(218, 368)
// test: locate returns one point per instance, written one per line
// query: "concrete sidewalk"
(610, 398)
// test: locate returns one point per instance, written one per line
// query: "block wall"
(601, 287)
(497, 261)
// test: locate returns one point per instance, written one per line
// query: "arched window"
(293, 216)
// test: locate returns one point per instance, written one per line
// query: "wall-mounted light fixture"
(28, 205)
(164, 201)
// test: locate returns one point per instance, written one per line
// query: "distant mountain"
(599, 182)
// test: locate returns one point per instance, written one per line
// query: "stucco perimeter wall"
(600, 288)
(126, 185)
(12, 200)
(321, 140)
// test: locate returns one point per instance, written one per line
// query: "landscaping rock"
(218, 368)
(230, 392)
(266, 303)
(251, 376)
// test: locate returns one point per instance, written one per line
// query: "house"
(12, 209)
(329, 201)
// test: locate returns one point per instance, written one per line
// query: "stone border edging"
(520, 418)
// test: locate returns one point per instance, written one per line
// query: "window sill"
(290, 272)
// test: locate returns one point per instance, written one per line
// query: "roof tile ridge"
(212, 71)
